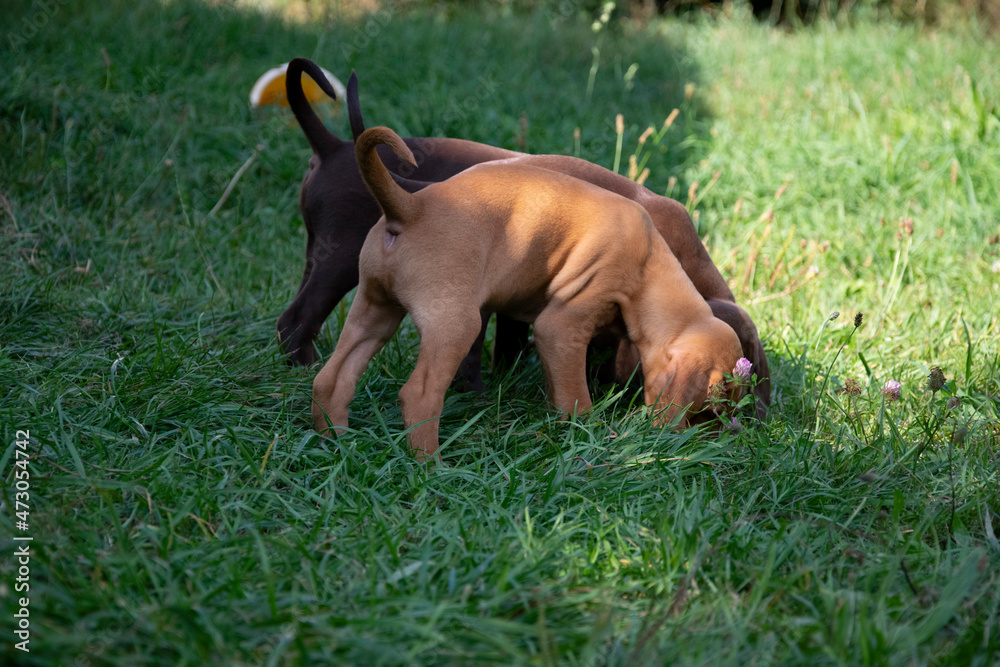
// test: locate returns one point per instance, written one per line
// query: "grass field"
(182, 509)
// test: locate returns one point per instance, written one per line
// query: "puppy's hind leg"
(328, 280)
(444, 341)
(367, 329)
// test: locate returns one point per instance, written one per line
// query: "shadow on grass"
(97, 97)
(122, 123)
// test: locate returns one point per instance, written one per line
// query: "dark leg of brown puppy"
(444, 342)
(470, 375)
(509, 341)
(322, 290)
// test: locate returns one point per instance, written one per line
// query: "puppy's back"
(526, 233)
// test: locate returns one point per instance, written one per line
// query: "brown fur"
(537, 246)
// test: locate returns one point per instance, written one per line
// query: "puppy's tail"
(354, 107)
(396, 202)
(323, 141)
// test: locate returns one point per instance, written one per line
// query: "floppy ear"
(762, 391)
(753, 350)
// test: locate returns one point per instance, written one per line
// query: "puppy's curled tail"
(323, 141)
(396, 203)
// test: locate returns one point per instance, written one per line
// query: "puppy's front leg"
(561, 337)
(367, 329)
(444, 341)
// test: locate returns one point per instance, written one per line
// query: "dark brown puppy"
(675, 226)
(338, 211)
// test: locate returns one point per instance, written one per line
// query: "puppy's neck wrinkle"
(669, 307)
(396, 203)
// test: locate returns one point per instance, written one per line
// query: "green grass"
(184, 512)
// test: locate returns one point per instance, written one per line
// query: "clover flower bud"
(851, 387)
(892, 390)
(935, 381)
(742, 369)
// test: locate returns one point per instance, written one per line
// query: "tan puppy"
(535, 245)
(671, 220)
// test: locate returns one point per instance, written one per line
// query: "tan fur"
(540, 247)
